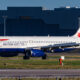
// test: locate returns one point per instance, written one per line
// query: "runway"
(39, 73)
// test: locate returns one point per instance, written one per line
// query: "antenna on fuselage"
(48, 35)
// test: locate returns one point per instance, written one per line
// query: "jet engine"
(35, 53)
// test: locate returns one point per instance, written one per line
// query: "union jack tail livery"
(77, 34)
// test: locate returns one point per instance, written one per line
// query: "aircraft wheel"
(26, 56)
(44, 57)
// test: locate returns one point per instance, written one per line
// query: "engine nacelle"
(37, 53)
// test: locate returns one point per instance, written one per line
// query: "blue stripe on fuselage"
(16, 50)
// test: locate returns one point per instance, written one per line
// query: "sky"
(49, 4)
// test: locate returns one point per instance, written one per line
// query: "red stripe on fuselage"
(4, 39)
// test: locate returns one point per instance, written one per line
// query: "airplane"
(36, 46)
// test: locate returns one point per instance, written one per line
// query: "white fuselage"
(26, 42)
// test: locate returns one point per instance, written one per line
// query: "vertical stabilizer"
(77, 34)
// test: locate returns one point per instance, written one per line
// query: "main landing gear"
(27, 55)
(44, 57)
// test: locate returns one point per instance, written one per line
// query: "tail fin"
(77, 34)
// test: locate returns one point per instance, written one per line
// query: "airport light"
(4, 17)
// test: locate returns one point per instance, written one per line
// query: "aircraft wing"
(55, 46)
(63, 45)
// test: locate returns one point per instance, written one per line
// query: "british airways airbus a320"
(36, 46)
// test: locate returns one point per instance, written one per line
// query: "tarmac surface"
(39, 73)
